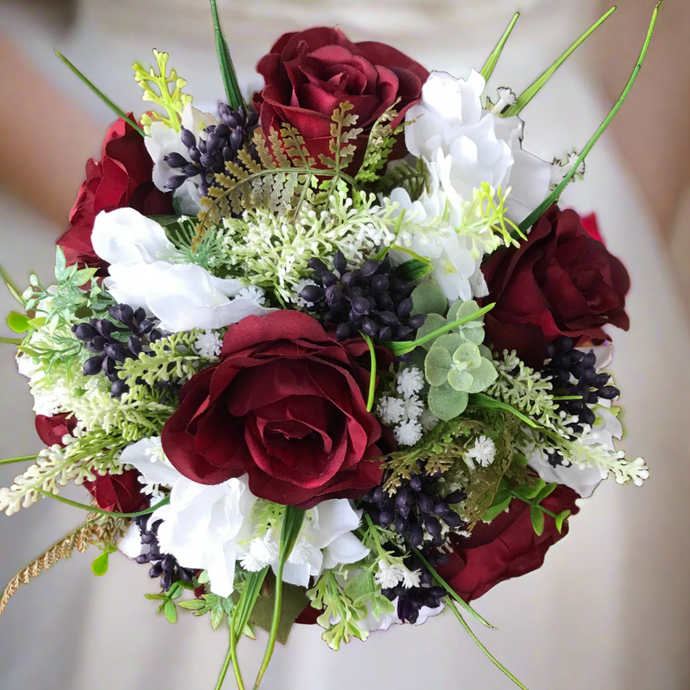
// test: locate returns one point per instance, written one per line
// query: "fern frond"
(248, 161)
(259, 140)
(380, 144)
(277, 149)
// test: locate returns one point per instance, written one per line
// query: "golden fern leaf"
(248, 161)
(80, 539)
(277, 149)
(267, 160)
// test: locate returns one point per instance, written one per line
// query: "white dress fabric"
(609, 610)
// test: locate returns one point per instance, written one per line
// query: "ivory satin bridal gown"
(610, 610)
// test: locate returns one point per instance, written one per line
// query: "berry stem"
(13, 461)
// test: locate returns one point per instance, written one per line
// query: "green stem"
(402, 348)
(372, 373)
(481, 400)
(11, 341)
(92, 509)
(555, 195)
(292, 525)
(451, 591)
(534, 505)
(226, 666)
(101, 95)
(534, 89)
(14, 461)
(493, 59)
(481, 646)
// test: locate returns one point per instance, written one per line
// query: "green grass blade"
(11, 341)
(534, 89)
(101, 95)
(481, 646)
(372, 372)
(227, 69)
(495, 56)
(555, 195)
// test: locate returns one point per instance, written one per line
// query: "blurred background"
(611, 608)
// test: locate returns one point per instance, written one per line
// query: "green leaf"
(60, 265)
(118, 111)
(433, 323)
(537, 517)
(467, 356)
(447, 403)
(428, 298)
(170, 611)
(545, 492)
(227, 69)
(520, 460)
(176, 591)
(203, 579)
(155, 596)
(493, 59)
(534, 89)
(483, 376)
(560, 520)
(460, 380)
(555, 195)
(414, 269)
(437, 365)
(295, 600)
(217, 613)
(529, 491)
(18, 323)
(192, 604)
(493, 512)
(449, 341)
(99, 567)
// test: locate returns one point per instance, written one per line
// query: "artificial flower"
(164, 141)
(52, 430)
(309, 74)
(182, 296)
(286, 406)
(506, 547)
(481, 146)
(558, 282)
(120, 493)
(122, 178)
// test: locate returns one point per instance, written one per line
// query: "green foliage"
(99, 567)
(457, 364)
(227, 68)
(346, 601)
(295, 600)
(413, 179)
(380, 145)
(164, 90)
(168, 600)
(217, 607)
(428, 298)
(414, 269)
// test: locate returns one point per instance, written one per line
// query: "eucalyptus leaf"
(460, 380)
(467, 356)
(433, 323)
(447, 403)
(450, 341)
(483, 376)
(428, 298)
(437, 366)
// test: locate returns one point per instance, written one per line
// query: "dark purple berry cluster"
(208, 155)
(372, 300)
(412, 599)
(164, 566)
(415, 510)
(113, 344)
(573, 373)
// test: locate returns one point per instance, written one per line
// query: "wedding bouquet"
(334, 356)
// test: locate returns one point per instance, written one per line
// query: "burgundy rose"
(506, 547)
(591, 226)
(560, 281)
(310, 73)
(121, 178)
(119, 493)
(51, 430)
(285, 406)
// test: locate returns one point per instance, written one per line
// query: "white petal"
(335, 517)
(130, 544)
(140, 455)
(126, 237)
(296, 574)
(347, 548)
